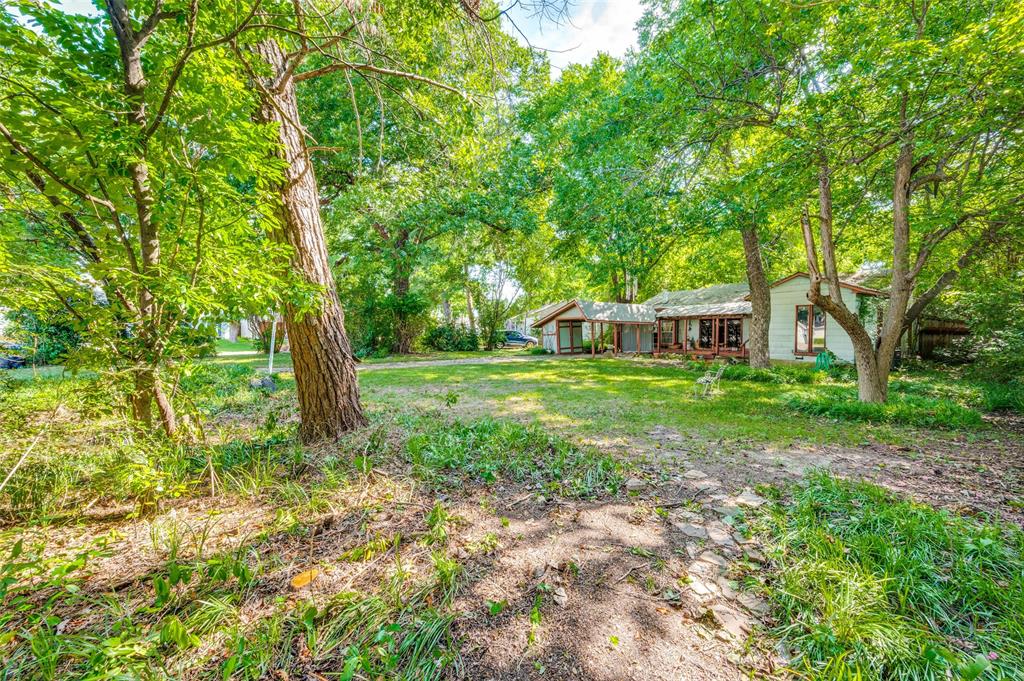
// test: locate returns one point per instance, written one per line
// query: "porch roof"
(739, 308)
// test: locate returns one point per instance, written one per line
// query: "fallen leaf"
(303, 579)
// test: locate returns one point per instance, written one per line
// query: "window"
(730, 334)
(705, 334)
(570, 337)
(810, 330)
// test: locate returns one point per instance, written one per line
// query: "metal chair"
(707, 383)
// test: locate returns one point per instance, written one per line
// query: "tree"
(131, 171)
(911, 101)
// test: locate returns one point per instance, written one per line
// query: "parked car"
(10, 356)
(515, 339)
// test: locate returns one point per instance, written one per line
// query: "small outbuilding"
(581, 326)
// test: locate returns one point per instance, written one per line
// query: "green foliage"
(48, 337)
(451, 338)
(905, 409)
(868, 586)
(489, 449)
(781, 374)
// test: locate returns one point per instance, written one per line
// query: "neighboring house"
(708, 322)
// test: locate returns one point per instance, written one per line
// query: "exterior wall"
(782, 330)
(549, 332)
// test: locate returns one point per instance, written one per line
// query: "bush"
(47, 339)
(911, 410)
(538, 350)
(781, 374)
(451, 338)
(868, 586)
(1001, 357)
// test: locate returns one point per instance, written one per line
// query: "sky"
(589, 27)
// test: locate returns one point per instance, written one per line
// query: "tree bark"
(325, 372)
(403, 328)
(760, 300)
(130, 48)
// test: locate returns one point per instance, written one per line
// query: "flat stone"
(694, 474)
(560, 596)
(754, 555)
(635, 485)
(726, 510)
(733, 621)
(756, 605)
(714, 559)
(691, 530)
(707, 484)
(727, 588)
(700, 587)
(718, 533)
(689, 517)
(750, 498)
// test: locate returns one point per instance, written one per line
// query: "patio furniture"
(707, 383)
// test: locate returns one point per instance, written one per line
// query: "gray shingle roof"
(616, 312)
(742, 307)
(719, 293)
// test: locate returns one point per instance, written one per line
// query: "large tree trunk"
(325, 371)
(403, 327)
(760, 300)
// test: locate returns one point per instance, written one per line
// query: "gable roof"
(844, 283)
(709, 295)
(593, 311)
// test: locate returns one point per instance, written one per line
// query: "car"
(515, 339)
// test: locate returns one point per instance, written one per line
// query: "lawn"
(599, 398)
(473, 527)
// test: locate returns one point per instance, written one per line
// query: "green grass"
(901, 408)
(240, 345)
(607, 398)
(488, 450)
(868, 586)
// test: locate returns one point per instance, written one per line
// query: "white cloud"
(591, 26)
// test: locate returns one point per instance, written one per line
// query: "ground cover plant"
(866, 585)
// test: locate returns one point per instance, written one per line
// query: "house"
(523, 323)
(710, 322)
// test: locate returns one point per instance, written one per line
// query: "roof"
(842, 282)
(742, 307)
(718, 293)
(604, 312)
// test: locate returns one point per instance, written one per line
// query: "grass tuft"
(868, 586)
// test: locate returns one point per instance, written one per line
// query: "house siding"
(782, 330)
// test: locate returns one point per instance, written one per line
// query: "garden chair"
(707, 383)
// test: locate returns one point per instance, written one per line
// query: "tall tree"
(126, 160)
(913, 101)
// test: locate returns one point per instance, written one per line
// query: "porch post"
(686, 334)
(637, 327)
(593, 342)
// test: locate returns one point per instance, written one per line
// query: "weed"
(842, 404)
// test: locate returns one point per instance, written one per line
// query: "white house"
(708, 322)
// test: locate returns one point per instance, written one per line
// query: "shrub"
(785, 375)
(1000, 358)
(868, 586)
(48, 339)
(489, 449)
(451, 338)
(538, 350)
(911, 410)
